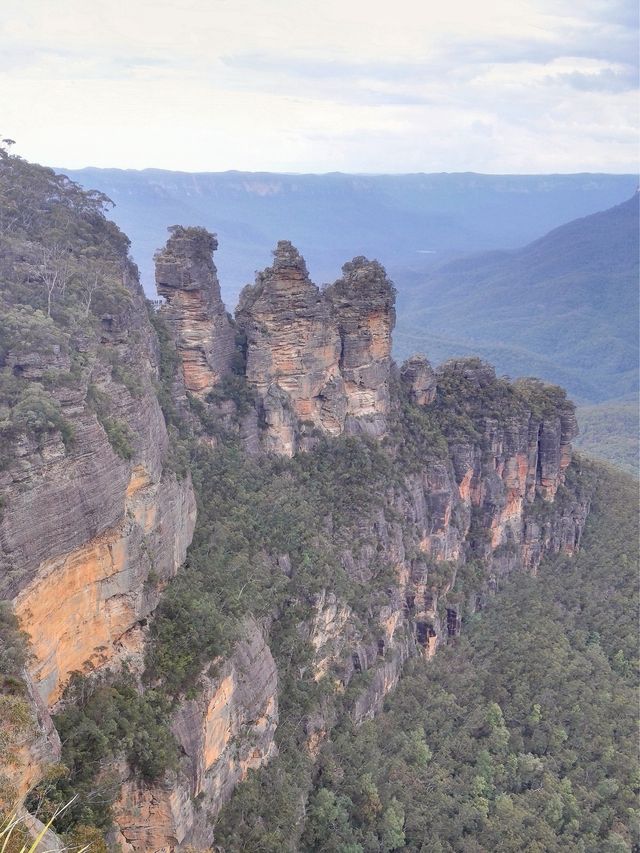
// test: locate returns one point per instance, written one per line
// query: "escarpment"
(85, 526)
(94, 519)
(352, 514)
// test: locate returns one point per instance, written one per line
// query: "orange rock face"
(225, 732)
(80, 606)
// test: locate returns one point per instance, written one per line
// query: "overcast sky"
(337, 85)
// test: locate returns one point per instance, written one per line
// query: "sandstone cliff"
(329, 352)
(186, 277)
(94, 521)
(292, 346)
(84, 528)
(364, 306)
(224, 732)
(430, 487)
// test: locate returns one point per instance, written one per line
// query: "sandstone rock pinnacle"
(292, 342)
(187, 278)
(364, 305)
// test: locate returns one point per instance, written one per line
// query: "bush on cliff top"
(62, 267)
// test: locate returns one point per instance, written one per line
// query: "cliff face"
(93, 520)
(292, 351)
(318, 359)
(364, 307)
(419, 379)
(227, 730)
(462, 479)
(83, 529)
(186, 276)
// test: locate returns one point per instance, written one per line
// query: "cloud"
(364, 85)
(603, 80)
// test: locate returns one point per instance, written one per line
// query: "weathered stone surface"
(293, 344)
(520, 458)
(329, 352)
(186, 277)
(80, 607)
(555, 435)
(48, 842)
(364, 305)
(39, 747)
(227, 730)
(89, 535)
(418, 375)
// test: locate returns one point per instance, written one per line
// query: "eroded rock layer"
(94, 522)
(329, 352)
(292, 345)
(227, 730)
(186, 277)
(364, 307)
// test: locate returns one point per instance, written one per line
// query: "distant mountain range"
(564, 307)
(408, 222)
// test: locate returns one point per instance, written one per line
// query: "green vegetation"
(61, 271)
(611, 431)
(102, 721)
(249, 510)
(16, 722)
(521, 737)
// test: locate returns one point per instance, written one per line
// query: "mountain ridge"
(329, 216)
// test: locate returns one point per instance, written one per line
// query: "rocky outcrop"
(93, 520)
(224, 732)
(328, 354)
(186, 277)
(81, 608)
(38, 745)
(364, 306)
(420, 379)
(517, 462)
(292, 351)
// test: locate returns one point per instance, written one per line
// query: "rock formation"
(292, 344)
(91, 531)
(418, 375)
(364, 306)
(186, 277)
(224, 732)
(329, 352)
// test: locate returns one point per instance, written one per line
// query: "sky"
(500, 86)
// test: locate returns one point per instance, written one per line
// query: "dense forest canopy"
(520, 737)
